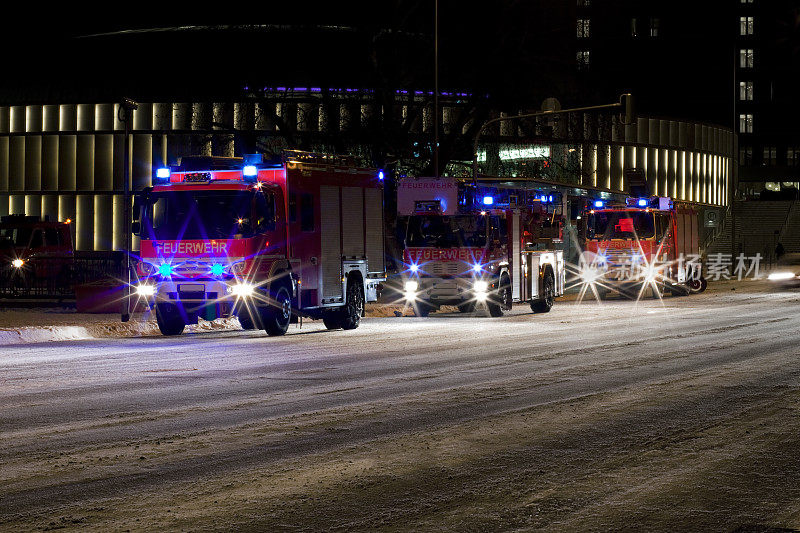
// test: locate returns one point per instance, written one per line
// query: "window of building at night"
(793, 157)
(745, 25)
(770, 156)
(745, 155)
(583, 59)
(654, 26)
(746, 59)
(584, 3)
(746, 123)
(634, 27)
(584, 28)
(745, 90)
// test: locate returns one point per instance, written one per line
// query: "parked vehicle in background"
(36, 256)
(267, 241)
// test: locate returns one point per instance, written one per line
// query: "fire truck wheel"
(331, 320)
(169, 320)
(246, 319)
(500, 301)
(548, 295)
(354, 308)
(467, 307)
(696, 286)
(277, 316)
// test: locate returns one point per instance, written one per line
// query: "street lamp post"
(127, 107)
(625, 100)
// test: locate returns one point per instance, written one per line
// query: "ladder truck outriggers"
(472, 246)
(646, 244)
(266, 241)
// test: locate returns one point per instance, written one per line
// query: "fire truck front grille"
(444, 268)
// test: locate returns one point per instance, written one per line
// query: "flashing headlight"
(778, 276)
(480, 286)
(599, 204)
(17, 263)
(217, 269)
(163, 173)
(145, 290)
(488, 200)
(414, 268)
(250, 171)
(643, 202)
(242, 290)
(165, 270)
(477, 267)
(411, 286)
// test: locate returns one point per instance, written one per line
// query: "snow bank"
(144, 325)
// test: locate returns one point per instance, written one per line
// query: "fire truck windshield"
(173, 215)
(446, 231)
(621, 225)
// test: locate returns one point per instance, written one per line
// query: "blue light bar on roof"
(163, 173)
(250, 171)
(599, 204)
(488, 200)
(643, 202)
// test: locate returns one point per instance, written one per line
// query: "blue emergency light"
(380, 175)
(250, 171)
(162, 174)
(643, 202)
(599, 204)
(217, 269)
(488, 200)
(165, 270)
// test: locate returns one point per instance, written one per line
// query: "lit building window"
(584, 28)
(583, 59)
(746, 123)
(584, 3)
(793, 157)
(654, 24)
(770, 156)
(745, 155)
(747, 1)
(634, 27)
(745, 25)
(746, 58)
(745, 90)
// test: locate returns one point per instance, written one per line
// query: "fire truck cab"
(266, 241)
(467, 248)
(648, 243)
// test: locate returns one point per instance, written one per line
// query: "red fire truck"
(266, 241)
(469, 246)
(646, 244)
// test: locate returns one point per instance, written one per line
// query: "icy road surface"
(673, 416)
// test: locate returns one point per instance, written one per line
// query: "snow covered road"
(661, 416)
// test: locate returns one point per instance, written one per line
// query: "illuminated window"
(584, 3)
(583, 59)
(745, 90)
(654, 24)
(584, 28)
(746, 58)
(745, 155)
(746, 123)
(793, 157)
(745, 25)
(770, 156)
(747, 1)
(634, 27)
